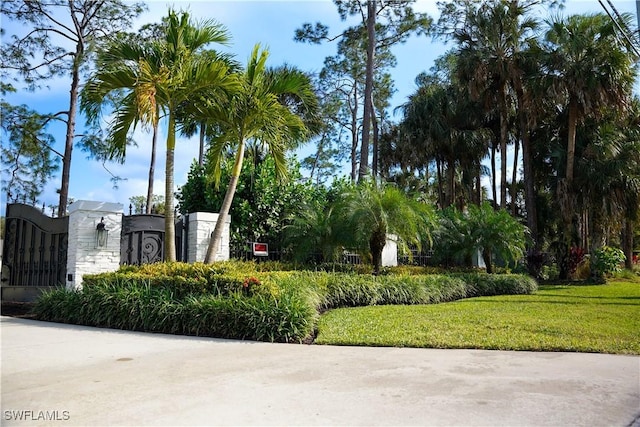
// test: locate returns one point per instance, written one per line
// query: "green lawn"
(594, 318)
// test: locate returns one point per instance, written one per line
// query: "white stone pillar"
(83, 254)
(390, 251)
(201, 225)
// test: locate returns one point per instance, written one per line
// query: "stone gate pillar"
(201, 225)
(85, 254)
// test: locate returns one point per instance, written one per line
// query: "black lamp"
(102, 234)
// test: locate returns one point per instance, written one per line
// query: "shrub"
(606, 260)
(235, 300)
(503, 284)
(145, 308)
(184, 279)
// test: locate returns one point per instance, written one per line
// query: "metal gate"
(142, 240)
(35, 248)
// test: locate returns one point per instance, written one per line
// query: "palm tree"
(374, 210)
(608, 174)
(314, 230)
(262, 109)
(444, 124)
(485, 230)
(160, 77)
(587, 69)
(489, 41)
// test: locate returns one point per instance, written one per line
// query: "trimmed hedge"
(246, 301)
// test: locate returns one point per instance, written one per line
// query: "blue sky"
(270, 23)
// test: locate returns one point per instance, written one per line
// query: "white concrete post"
(390, 251)
(84, 256)
(201, 225)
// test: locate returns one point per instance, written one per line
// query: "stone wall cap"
(90, 205)
(206, 216)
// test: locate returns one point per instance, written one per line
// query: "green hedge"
(145, 308)
(247, 301)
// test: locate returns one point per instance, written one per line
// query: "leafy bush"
(235, 300)
(503, 284)
(493, 233)
(145, 308)
(549, 272)
(184, 279)
(606, 260)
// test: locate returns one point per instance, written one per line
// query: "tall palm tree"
(159, 78)
(608, 174)
(269, 107)
(446, 126)
(489, 42)
(587, 69)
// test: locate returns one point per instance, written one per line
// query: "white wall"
(83, 255)
(201, 225)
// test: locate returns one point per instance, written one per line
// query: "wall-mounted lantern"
(102, 234)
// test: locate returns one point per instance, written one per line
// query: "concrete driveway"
(65, 375)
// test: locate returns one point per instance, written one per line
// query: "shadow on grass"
(564, 299)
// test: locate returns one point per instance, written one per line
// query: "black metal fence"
(35, 247)
(244, 251)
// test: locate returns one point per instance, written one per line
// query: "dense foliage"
(262, 203)
(236, 300)
(481, 230)
(511, 81)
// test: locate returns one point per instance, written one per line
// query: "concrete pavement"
(64, 375)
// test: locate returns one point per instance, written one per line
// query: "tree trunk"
(478, 192)
(216, 236)
(203, 130)
(368, 91)
(440, 186)
(451, 178)
(494, 189)
(486, 257)
(169, 215)
(514, 180)
(316, 159)
(152, 167)
(504, 134)
(565, 187)
(571, 141)
(529, 186)
(69, 137)
(354, 135)
(376, 246)
(376, 135)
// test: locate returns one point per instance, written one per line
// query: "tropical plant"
(160, 77)
(606, 260)
(482, 230)
(258, 111)
(489, 42)
(374, 210)
(260, 209)
(315, 232)
(588, 70)
(442, 124)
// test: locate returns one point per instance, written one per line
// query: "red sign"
(260, 249)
